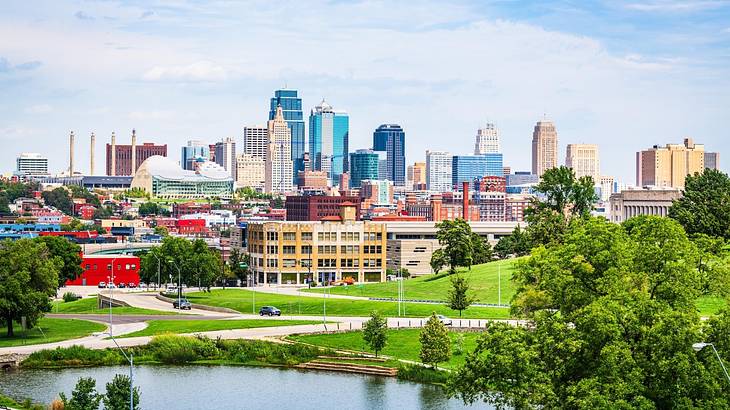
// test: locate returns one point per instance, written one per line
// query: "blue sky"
(623, 74)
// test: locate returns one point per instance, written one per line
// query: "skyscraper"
(438, 171)
(279, 166)
(31, 164)
(193, 152)
(417, 175)
(225, 155)
(712, 160)
(392, 139)
(466, 168)
(487, 141)
(363, 165)
(668, 166)
(329, 134)
(255, 141)
(291, 107)
(544, 147)
(584, 160)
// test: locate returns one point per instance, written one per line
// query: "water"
(228, 387)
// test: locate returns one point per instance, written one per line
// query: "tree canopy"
(457, 247)
(60, 199)
(459, 296)
(704, 208)
(198, 264)
(435, 342)
(68, 256)
(374, 332)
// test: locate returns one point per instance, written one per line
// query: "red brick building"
(191, 227)
(123, 158)
(317, 207)
(101, 268)
(188, 208)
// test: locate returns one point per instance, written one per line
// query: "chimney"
(436, 207)
(465, 204)
(114, 155)
(91, 165)
(71, 154)
(134, 152)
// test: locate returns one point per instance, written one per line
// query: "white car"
(443, 319)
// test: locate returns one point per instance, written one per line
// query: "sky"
(626, 75)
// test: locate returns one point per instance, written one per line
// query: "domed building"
(163, 178)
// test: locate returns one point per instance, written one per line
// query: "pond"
(229, 387)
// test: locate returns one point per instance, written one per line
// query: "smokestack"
(114, 155)
(71, 154)
(134, 152)
(91, 165)
(465, 204)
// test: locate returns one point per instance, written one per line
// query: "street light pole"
(158, 269)
(130, 359)
(699, 346)
(179, 283)
(111, 296)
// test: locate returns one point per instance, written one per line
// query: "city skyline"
(670, 85)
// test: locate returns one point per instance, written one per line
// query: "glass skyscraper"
(194, 151)
(329, 134)
(391, 139)
(465, 168)
(291, 106)
(363, 165)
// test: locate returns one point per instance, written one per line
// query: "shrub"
(172, 349)
(422, 374)
(72, 356)
(459, 344)
(70, 297)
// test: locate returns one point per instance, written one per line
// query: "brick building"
(102, 268)
(317, 207)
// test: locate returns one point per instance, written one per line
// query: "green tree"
(435, 342)
(28, 278)
(84, 396)
(239, 264)
(375, 332)
(60, 199)
(103, 212)
(456, 242)
(161, 230)
(705, 204)
(459, 297)
(438, 260)
(117, 394)
(67, 253)
(149, 208)
(481, 249)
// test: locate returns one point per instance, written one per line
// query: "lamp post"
(158, 269)
(179, 283)
(111, 295)
(130, 359)
(699, 346)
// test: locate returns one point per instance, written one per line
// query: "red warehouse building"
(191, 227)
(101, 268)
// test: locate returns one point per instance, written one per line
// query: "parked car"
(111, 286)
(132, 285)
(443, 319)
(269, 310)
(122, 285)
(102, 285)
(171, 289)
(184, 304)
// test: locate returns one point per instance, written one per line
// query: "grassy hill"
(482, 278)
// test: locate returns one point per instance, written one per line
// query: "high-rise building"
(291, 107)
(225, 155)
(487, 141)
(377, 192)
(584, 160)
(417, 175)
(466, 168)
(329, 134)
(712, 160)
(195, 151)
(392, 139)
(607, 187)
(438, 171)
(363, 165)
(251, 171)
(31, 164)
(121, 156)
(544, 147)
(279, 166)
(668, 166)
(256, 141)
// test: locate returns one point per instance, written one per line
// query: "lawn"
(402, 344)
(50, 330)
(241, 300)
(482, 278)
(89, 306)
(158, 327)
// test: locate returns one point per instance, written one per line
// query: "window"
(306, 236)
(88, 266)
(306, 249)
(95, 268)
(108, 266)
(272, 236)
(289, 249)
(289, 263)
(134, 266)
(274, 249)
(272, 263)
(290, 236)
(126, 267)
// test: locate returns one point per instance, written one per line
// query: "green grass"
(710, 305)
(241, 300)
(402, 344)
(90, 306)
(482, 278)
(50, 330)
(158, 327)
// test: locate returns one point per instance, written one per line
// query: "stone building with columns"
(629, 203)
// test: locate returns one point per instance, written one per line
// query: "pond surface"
(229, 387)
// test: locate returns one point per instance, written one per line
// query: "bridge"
(121, 248)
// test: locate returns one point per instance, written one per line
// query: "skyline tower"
(391, 139)
(487, 140)
(279, 166)
(329, 135)
(668, 166)
(584, 160)
(363, 166)
(192, 152)
(438, 171)
(291, 107)
(544, 147)
(225, 155)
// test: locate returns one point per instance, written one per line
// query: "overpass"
(121, 248)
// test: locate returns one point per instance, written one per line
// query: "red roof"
(334, 218)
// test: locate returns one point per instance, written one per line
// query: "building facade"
(225, 156)
(279, 167)
(544, 147)
(391, 139)
(163, 178)
(109, 269)
(438, 171)
(417, 176)
(318, 207)
(630, 203)
(363, 165)
(487, 140)
(329, 135)
(291, 106)
(193, 152)
(668, 166)
(712, 160)
(256, 141)
(250, 171)
(377, 192)
(31, 164)
(584, 160)
(467, 168)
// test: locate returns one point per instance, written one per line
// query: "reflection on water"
(227, 387)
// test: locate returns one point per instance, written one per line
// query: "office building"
(544, 147)
(318, 207)
(712, 160)
(487, 140)
(124, 156)
(391, 139)
(329, 134)
(466, 168)
(438, 171)
(522, 178)
(363, 165)
(31, 164)
(668, 166)
(584, 160)
(630, 203)
(256, 141)
(195, 151)
(225, 155)
(312, 180)
(250, 171)
(377, 192)
(291, 107)
(279, 167)
(417, 176)
(607, 184)
(163, 178)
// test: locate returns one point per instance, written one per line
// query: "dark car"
(102, 285)
(122, 285)
(269, 310)
(183, 304)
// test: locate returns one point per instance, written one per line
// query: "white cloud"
(39, 109)
(195, 72)
(676, 5)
